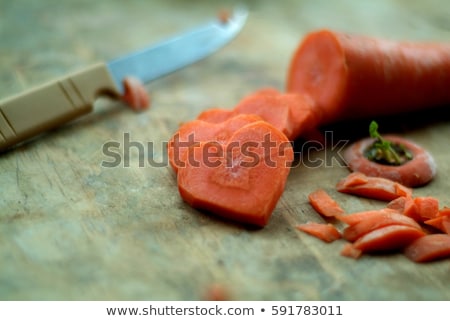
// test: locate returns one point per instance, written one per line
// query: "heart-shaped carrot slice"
(241, 179)
(197, 131)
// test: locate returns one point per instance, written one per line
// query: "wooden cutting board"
(72, 229)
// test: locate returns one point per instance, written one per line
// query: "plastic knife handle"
(53, 104)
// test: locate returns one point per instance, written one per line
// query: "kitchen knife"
(45, 107)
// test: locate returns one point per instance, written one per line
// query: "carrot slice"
(429, 248)
(326, 232)
(351, 76)
(291, 113)
(324, 204)
(397, 204)
(417, 172)
(441, 223)
(357, 217)
(411, 210)
(444, 211)
(197, 131)
(219, 115)
(421, 208)
(375, 221)
(427, 207)
(379, 188)
(356, 179)
(350, 251)
(239, 179)
(216, 115)
(388, 238)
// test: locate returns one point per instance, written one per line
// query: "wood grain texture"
(72, 229)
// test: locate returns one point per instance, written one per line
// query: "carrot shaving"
(325, 232)
(376, 220)
(322, 202)
(397, 204)
(429, 248)
(441, 223)
(388, 238)
(357, 217)
(372, 187)
(444, 211)
(350, 251)
(421, 208)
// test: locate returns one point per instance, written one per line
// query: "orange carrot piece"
(442, 223)
(421, 208)
(388, 238)
(351, 76)
(302, 115)
(324, 204)
(197, 131)
(239, 179)
(224, 15)
(375, 221)
(429, 248)
(219, 115)
(427, 207)
(356, 179)
(417, 172)
(326, 232)
(216, 115)
(378, 188)
(410, 209)
(357, 217)
(135, 94)
(397, 204)
(291, 113)
(445, 211)
(217, 292)
(350, 251)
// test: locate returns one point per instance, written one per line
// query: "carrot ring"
(418, 171)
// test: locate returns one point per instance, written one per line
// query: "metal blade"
(177, 52)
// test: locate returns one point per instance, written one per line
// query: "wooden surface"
(71, 229)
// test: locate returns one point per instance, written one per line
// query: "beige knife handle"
(52, 104)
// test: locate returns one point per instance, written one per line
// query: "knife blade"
(55, 103)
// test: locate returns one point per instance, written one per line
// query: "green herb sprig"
(385, 152)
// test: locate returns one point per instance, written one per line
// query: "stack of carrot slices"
(415, 226)
(235, 163)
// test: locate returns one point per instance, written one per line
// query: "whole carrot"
(350, 76)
